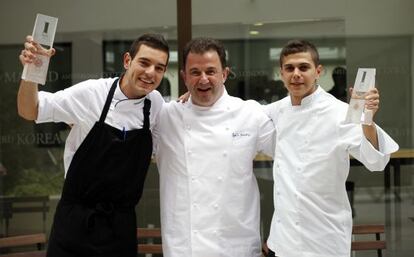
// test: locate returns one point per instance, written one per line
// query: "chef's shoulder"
(157, 101)
(249, 107)
(172, 108)
(85, 91)
(272, 110)
(334, 105)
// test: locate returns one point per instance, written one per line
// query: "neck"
(125, 89)
(297, 100)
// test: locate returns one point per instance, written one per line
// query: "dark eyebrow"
(194, 69)
(287, 65)
(300, 64)
(148, 60)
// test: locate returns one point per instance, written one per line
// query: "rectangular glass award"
(364, 81)
(44, 34)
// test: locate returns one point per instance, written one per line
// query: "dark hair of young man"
(155, 41)
(202, 45)
(299, 46)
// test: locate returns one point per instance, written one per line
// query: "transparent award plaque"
(365, 80)
(44, 34)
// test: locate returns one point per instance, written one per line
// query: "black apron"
(96, 215)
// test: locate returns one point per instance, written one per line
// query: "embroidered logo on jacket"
(240, 134)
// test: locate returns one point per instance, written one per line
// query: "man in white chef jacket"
(206, 146)
(107, 152)
(312, 215)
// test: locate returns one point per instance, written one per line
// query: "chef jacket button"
(278, 220)
(188, 127)
(278, 192)
(215, 232)
(216, 206)
(220, 178)
(227, 128)
(189, 152)
(193, 178)
(225, 154)
(296, 223)
(306, 141)
(195, 231)
(299, 169)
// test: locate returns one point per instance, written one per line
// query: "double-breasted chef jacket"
(312, 215)
(209, 194)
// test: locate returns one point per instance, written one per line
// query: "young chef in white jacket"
(312, 215)
(209, 194)
(107, 152)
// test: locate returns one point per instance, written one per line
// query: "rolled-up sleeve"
(45, 108)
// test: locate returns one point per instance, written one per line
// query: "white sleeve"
(67, 105)
(267, 109)
(267, 138)
(156, 125)
(266, 141)
(372, 158)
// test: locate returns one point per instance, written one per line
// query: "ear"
(226, 72)
(127, 60)
(319, 70)
(182, 73)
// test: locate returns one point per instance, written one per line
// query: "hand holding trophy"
(38, 49)
(364, 83)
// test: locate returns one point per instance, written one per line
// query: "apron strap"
(108, 101)
(146, 110)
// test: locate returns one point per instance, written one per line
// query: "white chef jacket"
(312, 215)
(209, 194)
(81, 106)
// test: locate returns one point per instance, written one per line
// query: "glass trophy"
(44, 34)
(364, 81)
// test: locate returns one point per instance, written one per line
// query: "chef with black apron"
(107, 152)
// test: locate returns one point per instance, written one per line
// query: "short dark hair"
(299, 46)
(202, 45)
(155, 41)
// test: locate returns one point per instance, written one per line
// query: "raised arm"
(372, 103)
(27, 99)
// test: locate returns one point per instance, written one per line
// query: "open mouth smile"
(146, 81)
